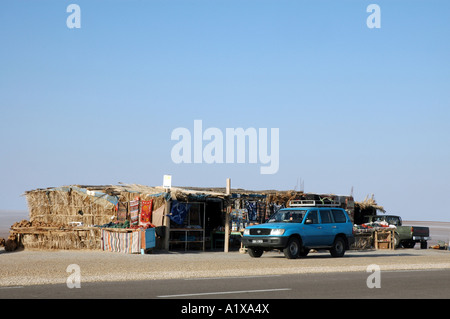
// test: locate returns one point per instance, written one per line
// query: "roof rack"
(312, 202)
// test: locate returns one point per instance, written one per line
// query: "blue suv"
(297, 230)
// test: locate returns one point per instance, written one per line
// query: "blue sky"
(356, 107)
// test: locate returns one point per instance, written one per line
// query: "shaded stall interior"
(201, 221)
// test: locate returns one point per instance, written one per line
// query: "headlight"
(246, 231)
(277, 232)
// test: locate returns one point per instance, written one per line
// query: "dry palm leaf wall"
(89, 205)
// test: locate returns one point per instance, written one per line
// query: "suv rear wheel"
(292, 249)
(338, 249)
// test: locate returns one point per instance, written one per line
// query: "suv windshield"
(287, 216)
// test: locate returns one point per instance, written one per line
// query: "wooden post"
(376, 239)
(166, 223)
(227, 218)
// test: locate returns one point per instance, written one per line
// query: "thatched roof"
(369, 203)
(109, 195)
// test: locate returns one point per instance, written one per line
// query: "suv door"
(312, 234)
(328, 227)
(341, 224)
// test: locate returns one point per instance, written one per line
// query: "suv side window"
(313, 216)
(325, 216)
(339, 216)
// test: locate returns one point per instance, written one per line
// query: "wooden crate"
(384, 239)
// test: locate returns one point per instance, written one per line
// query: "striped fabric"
(134, 212)
(129, 242)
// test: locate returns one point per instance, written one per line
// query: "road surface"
(409, 284)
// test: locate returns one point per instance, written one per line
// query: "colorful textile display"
(124, 242)
(179, 211)
(146, 212)
(149, 240)
(122, 212)
(128, 242)
(252, 210)
(134, 212)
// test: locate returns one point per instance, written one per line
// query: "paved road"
(410, 284)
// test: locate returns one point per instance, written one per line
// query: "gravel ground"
(27, 267)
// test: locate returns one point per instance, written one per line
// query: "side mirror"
(308, 221)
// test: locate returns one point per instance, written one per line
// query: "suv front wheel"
(292, 249)
(338, 249)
